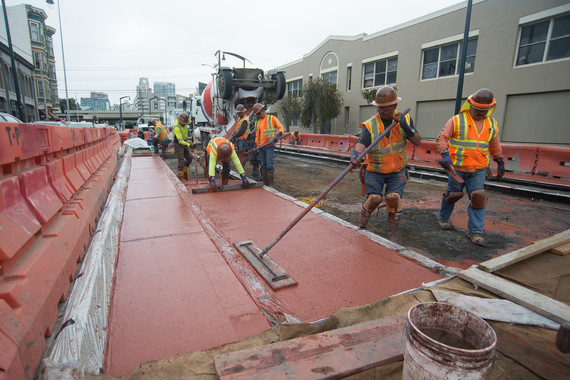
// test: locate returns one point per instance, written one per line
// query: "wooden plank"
(329, 355)
(240, 186)
(546, 306)
(526, 252)
(561, 250)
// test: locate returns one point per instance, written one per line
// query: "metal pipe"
(333, 184)
(463, 57)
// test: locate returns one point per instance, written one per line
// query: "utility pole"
(463, 57)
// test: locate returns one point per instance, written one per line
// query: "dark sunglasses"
(257, 114)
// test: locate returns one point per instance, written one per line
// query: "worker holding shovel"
(464, 144)
(386, 162)
(268, 132)
(240, 135)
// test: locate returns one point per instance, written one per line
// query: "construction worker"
(182, 146)
(160, 138)
(220, 149)
(386, 162)
(268, 131)
(253, 156)
(464, 144)
(240, 134)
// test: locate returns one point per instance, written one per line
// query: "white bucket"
(447, 342)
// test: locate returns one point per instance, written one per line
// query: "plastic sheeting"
(137, 143)
(80, 344)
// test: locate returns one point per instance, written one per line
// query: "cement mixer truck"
(231, 86)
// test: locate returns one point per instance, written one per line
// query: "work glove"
(446, 160)
(353, 158)
(213, 186)
(244, 180)
(500, 167)
(277, 137)
(410, 131)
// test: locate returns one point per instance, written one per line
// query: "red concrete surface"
(173, 291)
(181, 286)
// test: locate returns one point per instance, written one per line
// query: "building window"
(38, 60)
(329, 77)
(381, 72)
(544, 41)
(35, 29)
(294, 88)
(444, 61)
(348, 78)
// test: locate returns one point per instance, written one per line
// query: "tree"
(72, 105)
(290, 109)
(321, 102)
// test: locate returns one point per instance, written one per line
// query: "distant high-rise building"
(98, 101)
(164, 88)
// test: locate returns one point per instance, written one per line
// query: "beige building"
(520, 49)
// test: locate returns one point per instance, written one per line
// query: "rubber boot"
(186, 173)
(393, 222)
(180, 174)
(225, 179)
(364, 218)
(264, 177)
(270, 178)
(255, 175)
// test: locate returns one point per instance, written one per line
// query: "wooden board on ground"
(526, 252)
(561, 250)
(328, 355)
(200, 190)
(546, 306)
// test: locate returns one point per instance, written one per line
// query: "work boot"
(393, 222)
(445, 225)
(255, 175)
(264, 177)
(364, 217)
(180, 174)
(225, 179)
(477, 239)
(270, 178)
(186, 173)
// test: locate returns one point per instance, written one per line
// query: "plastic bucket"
(446, 342)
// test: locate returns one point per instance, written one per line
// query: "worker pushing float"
(385, 163)
(220, 149)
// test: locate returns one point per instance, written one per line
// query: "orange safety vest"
(244, 136)
(212, 148)
(267, 134)
(389, 155)
(161, 134)
(467, 147)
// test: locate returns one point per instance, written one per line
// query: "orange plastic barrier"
(520, 159)
(53, 184)
(425, 153)
(553, 162)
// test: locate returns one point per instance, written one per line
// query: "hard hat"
(240, 108)
(224, 151)
(482, 100)
(257, 107)
(386, 96)
(183, 118)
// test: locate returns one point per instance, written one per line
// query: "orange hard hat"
(183, 118)
(224, 151)
(386, 96)
(240, 108)
(482, 100)
(257, 107)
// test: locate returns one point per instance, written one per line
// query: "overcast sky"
(110, 44)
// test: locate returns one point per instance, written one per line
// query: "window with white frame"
(35, 30)
(348, 78)
(546, 40)
(380, 72)
(445, 60)
(294, 88)
(329, 77)
(38, 60)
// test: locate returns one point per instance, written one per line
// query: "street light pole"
(16, 80)
(51, 2)
(121, 111)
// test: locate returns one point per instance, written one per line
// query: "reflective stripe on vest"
(244, 136)
(183, 131)
(212, 148)
(467, 147)
(270, 132)
(162, 132)
(389, 155)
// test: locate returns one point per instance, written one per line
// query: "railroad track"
(532, 189)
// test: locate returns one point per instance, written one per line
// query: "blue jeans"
(241, 145)
(266, 156)
(394, 182)
(473, 181)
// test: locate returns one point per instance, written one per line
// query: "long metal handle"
(333, 184)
